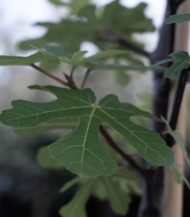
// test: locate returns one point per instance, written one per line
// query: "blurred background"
(26, 188)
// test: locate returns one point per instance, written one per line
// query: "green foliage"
(181, 61)
(15, 60)
(128, 21)
(91, 25)
(80, 148)
(80, 151)
(105, 188)
(96, 25)
(58, 2)
(78, 203)
(118, 198)
(178, 174)
(76, 5)
(179, 141)
(66, 123)
(122, 77)
(45, 159)
(73, 5)
(78, 58)
(178, 18)
(175, 70)
(56, 55)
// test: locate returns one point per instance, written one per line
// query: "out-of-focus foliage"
(181, 61)
(93, 24)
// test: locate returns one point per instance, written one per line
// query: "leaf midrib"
(85, 138)
(47, 112)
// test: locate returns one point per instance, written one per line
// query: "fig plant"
(100, 169)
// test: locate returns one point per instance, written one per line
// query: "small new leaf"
(77, 205)
(81, 151)
(179, 55)
(119, 199)
(178, 18)
(179, 175)
(176, 69)
(78, 58)
(181, 61)
(179, 141)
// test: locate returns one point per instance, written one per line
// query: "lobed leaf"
(80, 151)
(176, 68)
(69, 33)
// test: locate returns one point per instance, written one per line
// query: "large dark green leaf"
(81, 151)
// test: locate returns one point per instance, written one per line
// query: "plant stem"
(72, 72)
(125, 43)
(70, 82)
(49, 75)
(154, 189)
(177, 103)
(178, 98)
(125, 156)
(87, 73)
